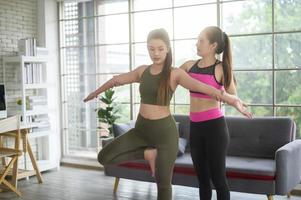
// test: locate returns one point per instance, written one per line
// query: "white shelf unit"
(28, 91)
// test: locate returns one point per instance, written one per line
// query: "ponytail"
(215, 34)
(227, 61)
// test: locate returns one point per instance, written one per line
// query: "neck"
(157, 67)
(208, 60)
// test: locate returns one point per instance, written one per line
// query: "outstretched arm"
(122, 79)
(189, 83)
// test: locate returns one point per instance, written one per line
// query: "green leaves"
(108, 97)
(108, 114)
(105, 100)
(109, 94)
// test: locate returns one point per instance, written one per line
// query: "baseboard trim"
(81, 163)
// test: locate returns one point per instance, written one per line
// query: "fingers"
(248, 115)
(242, 108)
(246, 112)
(88, 98)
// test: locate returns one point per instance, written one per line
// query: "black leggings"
(209, 142)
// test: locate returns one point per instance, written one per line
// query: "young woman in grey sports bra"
(155, 137)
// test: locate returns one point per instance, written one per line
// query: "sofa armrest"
(288, 167)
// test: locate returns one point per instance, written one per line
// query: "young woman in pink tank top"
(209, 137)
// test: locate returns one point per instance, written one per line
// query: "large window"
(102, 38)
(266, 43)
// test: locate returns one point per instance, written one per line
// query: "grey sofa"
(263, 157)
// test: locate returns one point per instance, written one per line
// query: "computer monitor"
(3, 111)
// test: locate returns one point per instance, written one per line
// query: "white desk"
(19, 174)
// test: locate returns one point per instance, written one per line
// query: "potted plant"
(107, 115)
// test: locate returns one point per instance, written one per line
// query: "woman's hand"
(241, 107)
(91, 96)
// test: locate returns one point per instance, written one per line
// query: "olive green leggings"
(161, 134)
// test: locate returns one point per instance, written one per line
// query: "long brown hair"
(164, 86)
(215, 34)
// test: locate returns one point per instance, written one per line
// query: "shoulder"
(140, 69)
(219, 68)
(219, 72)
(177, 72)
(188, 64)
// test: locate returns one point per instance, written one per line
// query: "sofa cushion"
(258, 137)
(183, 165)
(236, 167)
(250, 168)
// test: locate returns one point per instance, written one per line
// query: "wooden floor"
(79, 184)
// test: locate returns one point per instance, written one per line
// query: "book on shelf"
(28, 73)
(27, 47)
(37, 98)
(41, 126)
(33, 73)
(40, 129)
(39, 122)
(41, 119)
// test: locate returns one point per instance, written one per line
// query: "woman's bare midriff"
(153, 112)
(200, 105)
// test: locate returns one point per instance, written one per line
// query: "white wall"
(39, 19)
(18, 19)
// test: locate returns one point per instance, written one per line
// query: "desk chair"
(11, 124)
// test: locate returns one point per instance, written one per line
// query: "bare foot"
(150, 155)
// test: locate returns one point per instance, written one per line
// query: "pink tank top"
(205, 75)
